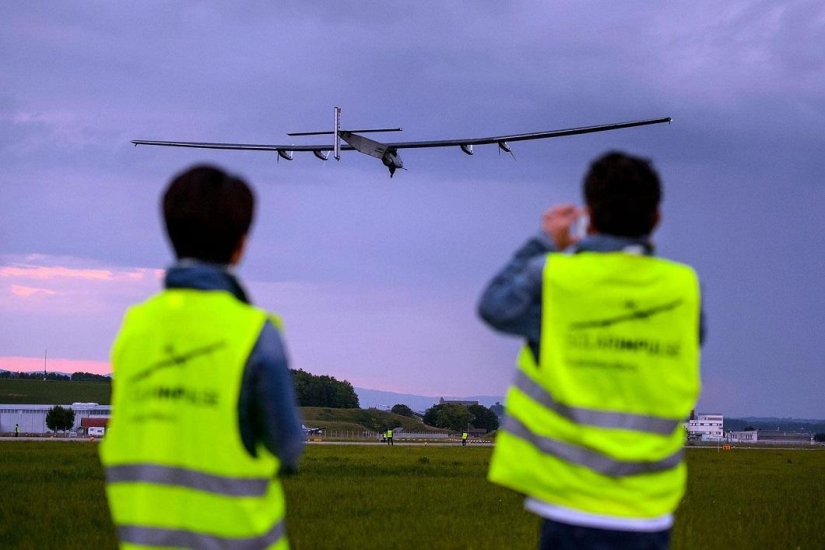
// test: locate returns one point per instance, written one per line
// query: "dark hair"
(207, 213)
(622, 193)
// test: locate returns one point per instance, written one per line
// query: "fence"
(376, 436)
(349, 435)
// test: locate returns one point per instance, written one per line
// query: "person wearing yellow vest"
(464, 436)
(203, 409)
(609, 370)
(389, 437)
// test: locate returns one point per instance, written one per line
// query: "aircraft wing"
(524, 137)
(409, 144)
(388, 152)
(242, 146)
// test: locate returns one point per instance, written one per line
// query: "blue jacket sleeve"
(511, 303)
(703, 323)
(267, 405)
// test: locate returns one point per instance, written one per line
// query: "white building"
(750, 436)
(706, 427)
(32, 418)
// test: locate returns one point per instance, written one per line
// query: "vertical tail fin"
(337, 133)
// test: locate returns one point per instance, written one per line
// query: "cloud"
(53, 131)
(744, 50)
(26, 291)
(70, 305)
(54, 272)
(73, 286)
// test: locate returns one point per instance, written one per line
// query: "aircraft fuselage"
(389, 157)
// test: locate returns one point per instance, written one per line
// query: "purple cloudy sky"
(377, 279)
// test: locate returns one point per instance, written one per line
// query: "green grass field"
(51, 496)
(53, 392)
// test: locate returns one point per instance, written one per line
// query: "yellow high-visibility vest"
(178, 474)
(597, 424)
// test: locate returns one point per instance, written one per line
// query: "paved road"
(46, 438)
(404, 443)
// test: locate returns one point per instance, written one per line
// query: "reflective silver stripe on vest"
(182, 477)
(587, 458)
(590, 417)
(160, 536)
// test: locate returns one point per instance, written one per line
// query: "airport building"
(749, 436)
(771, 436)
(709, 427)
(32, 418)
(705, 427)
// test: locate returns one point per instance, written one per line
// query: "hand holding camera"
(559, 222)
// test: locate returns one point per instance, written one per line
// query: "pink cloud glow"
(26, 291)
(33, 364)
(51, 285)
(54, 272)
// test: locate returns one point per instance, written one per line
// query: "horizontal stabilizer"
(329, 132)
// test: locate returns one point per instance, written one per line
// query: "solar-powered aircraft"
(388, 152)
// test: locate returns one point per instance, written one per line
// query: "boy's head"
(208, 214)
(622, 194)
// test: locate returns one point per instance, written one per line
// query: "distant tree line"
(75, 377)
(456, 417)
(34, 376)
(89, 377)
(323, 391)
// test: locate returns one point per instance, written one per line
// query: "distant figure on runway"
(204, 416)
(16, 430)
(389, 438)
(464, 436)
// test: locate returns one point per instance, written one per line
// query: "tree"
(430, 414)
(58, 418)
(403, 410)
(451, 416)
(819, 437)
(749, 429)
(323, 391)
(457, 417)
(483, 418)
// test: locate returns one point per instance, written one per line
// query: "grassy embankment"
(48, 392)
(359, 420)
(54, 392)
(424, 497)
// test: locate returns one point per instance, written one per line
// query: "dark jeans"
(561, 536)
